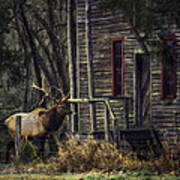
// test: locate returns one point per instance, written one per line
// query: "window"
(168, 74)
(117, 66)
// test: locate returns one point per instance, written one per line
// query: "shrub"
(85, 155)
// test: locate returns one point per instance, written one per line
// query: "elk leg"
(10, 145)
(52, 145)
(23, 143)
(39, 142)
(33, 147)
(41, 148)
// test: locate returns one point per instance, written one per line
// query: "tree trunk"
(33, 49)
(26, 63)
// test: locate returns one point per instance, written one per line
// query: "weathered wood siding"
(106, 26)
(163, 111)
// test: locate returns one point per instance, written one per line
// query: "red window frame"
(172, 38)
(114, 81)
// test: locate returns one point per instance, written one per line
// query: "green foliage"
(5, 18)
(12, 65)
(32, 43)
(10, 60)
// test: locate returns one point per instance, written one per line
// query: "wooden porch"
(137, 138)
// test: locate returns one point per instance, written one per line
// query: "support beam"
(89, 54)
(77, 65)
(93, 100)
(115, 123)
(126, 113)
(106, 124)
(71, 58)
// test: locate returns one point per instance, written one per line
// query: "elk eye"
(41, 113)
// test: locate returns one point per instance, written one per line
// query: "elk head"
(53, 118)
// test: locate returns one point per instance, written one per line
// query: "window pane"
(117, 62)
(169, 83)
(117, 48)
(117, 58)
(118, 77)
(117, 54)
(118, 90)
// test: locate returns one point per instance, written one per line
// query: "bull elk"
(41, 122)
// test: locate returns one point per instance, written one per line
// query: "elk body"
(39, 123)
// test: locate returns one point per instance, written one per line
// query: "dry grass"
(170, 157)
(86, 155)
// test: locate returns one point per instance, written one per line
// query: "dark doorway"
(142, 97)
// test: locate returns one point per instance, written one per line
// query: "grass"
(129, 175)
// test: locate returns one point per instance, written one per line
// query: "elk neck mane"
(52, 120)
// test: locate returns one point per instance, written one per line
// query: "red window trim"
(163, 95)
(113, 66)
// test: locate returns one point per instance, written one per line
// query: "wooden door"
(142, 95)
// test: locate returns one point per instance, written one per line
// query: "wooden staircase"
(142, 142)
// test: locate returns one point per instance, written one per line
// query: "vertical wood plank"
(89, 54)
(78, 65)
(89, 48)
(71, 58)
(106, 124)
(151, 84)
(116, 133)
(126, 113)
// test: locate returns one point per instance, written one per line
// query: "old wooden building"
(118, 88)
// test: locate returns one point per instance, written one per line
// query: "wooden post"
(89, 49)
(116, 133)
(71, 58)
(151, 89)
(126, 113)
(18, 136)
(106, 124)
(78, 67)
(89, 54)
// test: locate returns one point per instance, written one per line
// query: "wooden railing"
(177, 123)
(108, 113)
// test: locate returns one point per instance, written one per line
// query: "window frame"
(163, 83)
(114, 87)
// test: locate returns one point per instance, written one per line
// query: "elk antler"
(43, 90)
(40, 89)
(64, 97)
(46, 94)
